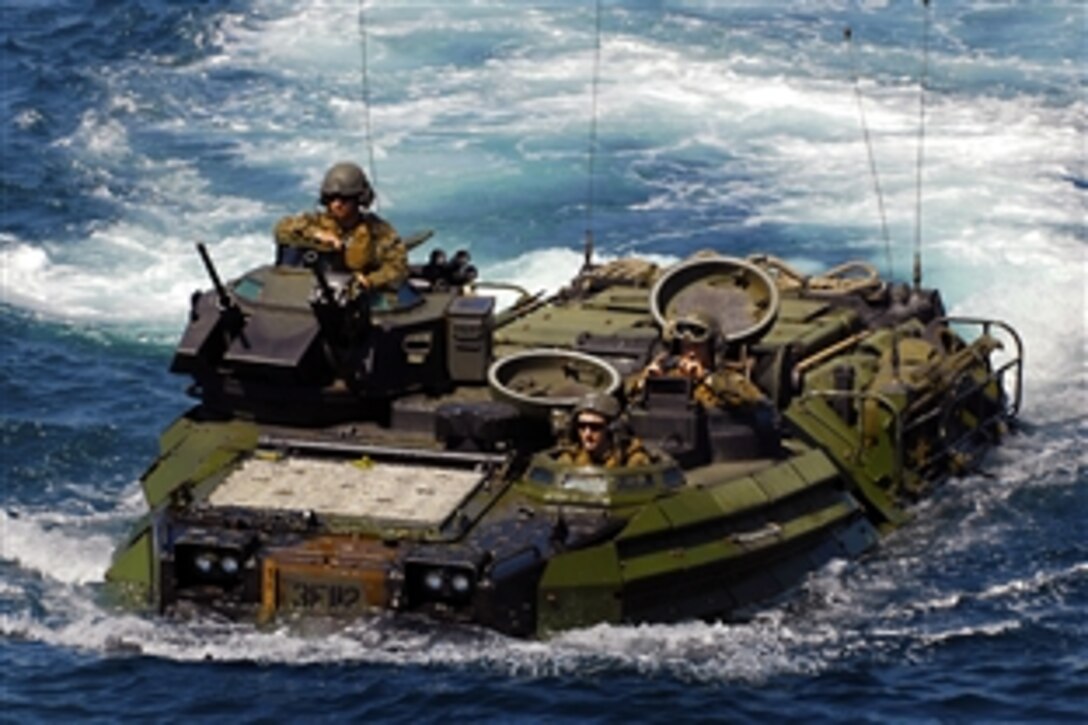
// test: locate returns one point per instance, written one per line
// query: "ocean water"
(130, 131)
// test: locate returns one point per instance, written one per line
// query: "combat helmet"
(347, 179)
(598, 403)
(603, 404)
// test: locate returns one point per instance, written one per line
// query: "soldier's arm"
(391, 258)
(657, 365)
(637, 454)
(654, 369)
(733, 388)
(304, 230)
(292, 230)
(639, 458)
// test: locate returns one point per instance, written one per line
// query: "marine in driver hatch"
(369, 246)
(596, 438)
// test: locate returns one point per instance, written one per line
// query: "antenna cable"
(848, 35)
(366, 100)
(917, 278)
(592, 152)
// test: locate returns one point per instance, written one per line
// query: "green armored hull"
(409, 451)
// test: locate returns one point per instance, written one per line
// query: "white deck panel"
(403, 494)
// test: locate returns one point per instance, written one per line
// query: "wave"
(782, 641)
(690, 141)
(63, 550)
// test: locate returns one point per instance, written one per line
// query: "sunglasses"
(330, 198)
(590, 425)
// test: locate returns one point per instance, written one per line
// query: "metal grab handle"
(1017, 361)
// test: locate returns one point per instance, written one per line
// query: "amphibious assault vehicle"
(354, 452)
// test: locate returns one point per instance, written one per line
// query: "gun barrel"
(413, 241)
(225, 300)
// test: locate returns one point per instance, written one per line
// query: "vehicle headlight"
(204, 562)
(433, 580)
(449, 583)
(229, 565)
(460, 583)
(207, 565)
(207, 558)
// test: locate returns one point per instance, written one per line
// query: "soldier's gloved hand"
(329, 238)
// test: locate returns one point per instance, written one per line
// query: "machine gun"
(326, 294)
(344, 318)
(443, 272)
(233, 319)
(226, 301)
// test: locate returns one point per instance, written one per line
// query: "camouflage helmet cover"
(347, 179)
(601, 403)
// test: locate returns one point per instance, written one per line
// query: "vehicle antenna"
(917, 279)
(363, 56)
(592, 152)
(848, 35)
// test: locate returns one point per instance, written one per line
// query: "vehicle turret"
(300, 343)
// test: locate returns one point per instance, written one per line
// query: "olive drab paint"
(411, 449)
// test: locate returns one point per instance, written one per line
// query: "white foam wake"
(63, 552)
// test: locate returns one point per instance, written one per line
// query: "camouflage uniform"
(634, 454)
(372, 247)
(725, 388)
(622, 450)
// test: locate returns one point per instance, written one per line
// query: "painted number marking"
(311, 595)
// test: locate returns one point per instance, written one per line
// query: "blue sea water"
(133, 130)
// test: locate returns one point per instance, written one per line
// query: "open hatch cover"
(402, 494)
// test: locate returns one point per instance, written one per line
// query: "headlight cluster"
(207, 565)
(453, 584)
(211, 562)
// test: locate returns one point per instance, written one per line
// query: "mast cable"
(848, 36)
(366, 101)
(921, 143)
(592, 151)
